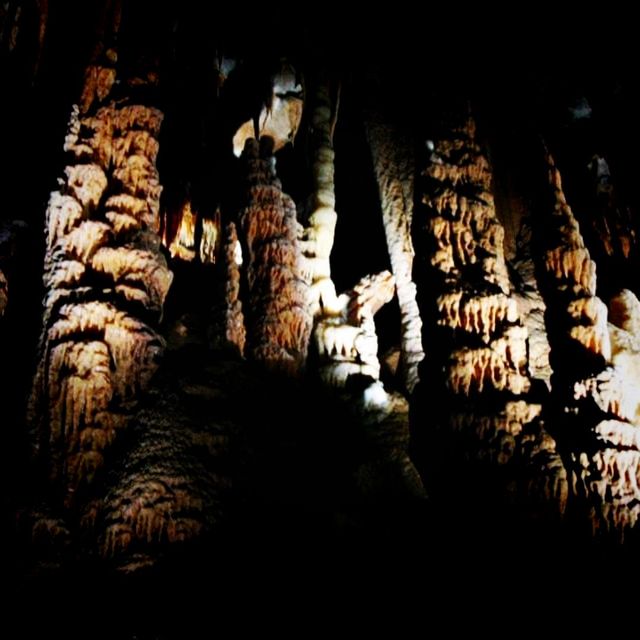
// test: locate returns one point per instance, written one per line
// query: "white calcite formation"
(597, 387)
(280, 117)
(346, 339)
(394, 166)
(482, 344)
(318, 235)
(105, 281)
(344, 330)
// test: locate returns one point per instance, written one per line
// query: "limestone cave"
(321, 297)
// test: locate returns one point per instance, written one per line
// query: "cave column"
(105, 280)
(475, 400)
(596, 363)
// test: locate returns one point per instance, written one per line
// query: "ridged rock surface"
(596, 375)
(278, 318)
(479, 340)
(105, 281)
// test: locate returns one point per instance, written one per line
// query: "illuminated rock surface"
(480, 343)
(229, 383)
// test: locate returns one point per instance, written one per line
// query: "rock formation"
(280, 114)
(394, 166)
(595, 378)
(479, 341)
(105, 280)
(228, 330)
(277, 315)
(272, 429)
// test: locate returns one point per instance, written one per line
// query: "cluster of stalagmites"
(278, 318)
(485, 363)
(106, 282)
(598, 385)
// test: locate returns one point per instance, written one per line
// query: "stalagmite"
(319, 233)
(479, 341)
(393, 164)
(106, 282)
(597, 388)
(345, 333)
(279, 321)
(228, 330)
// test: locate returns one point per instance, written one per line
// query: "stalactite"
(279, 116)
(394, 166)
(596, 387)
(106, 282)
(279, 323)
(478, 338)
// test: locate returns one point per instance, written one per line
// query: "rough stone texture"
(467, 238)
(531, 306)
(228, 330)
(394, 166)
(479, 340)
(106, 282)
(168, 489)
(279, 321)
(596, 374)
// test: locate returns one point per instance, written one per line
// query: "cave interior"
(205, 381)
